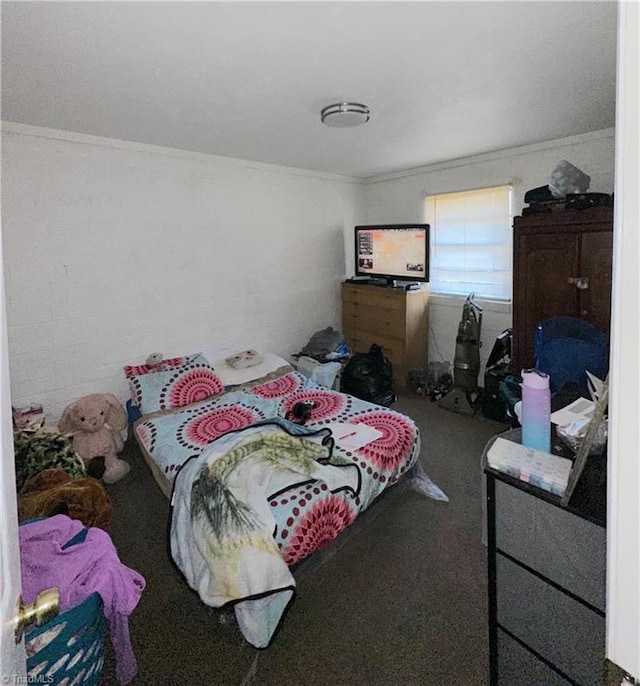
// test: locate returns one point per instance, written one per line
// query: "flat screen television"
(393, 252)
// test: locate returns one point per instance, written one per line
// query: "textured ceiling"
(248, 79)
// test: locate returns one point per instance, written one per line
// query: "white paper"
(595, 386)
(353, 436)
(578, 410)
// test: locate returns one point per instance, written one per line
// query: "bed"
(218, 443)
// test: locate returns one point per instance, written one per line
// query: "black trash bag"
(369, 376)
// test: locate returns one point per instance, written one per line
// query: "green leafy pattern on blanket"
(222, 530)
(225, 513)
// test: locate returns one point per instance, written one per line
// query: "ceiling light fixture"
(345, 114)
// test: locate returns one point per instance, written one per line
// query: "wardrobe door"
(596, 264)
(544, 264)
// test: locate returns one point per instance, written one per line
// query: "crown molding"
(87, 139)
(494, 155)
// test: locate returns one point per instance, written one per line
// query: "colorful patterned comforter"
(307, 518)
(307, 515)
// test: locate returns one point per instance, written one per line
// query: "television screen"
(393, 252)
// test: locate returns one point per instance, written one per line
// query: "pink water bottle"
(536, 410)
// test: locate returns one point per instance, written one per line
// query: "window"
(471, 242)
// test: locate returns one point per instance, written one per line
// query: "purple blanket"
(90, 565)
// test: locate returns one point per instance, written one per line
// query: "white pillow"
(244, 359)
(233, 377)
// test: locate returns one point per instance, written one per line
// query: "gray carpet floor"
(403, 601)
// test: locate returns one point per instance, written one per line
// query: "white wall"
(400, 198)
(114, 250)
(623, 476)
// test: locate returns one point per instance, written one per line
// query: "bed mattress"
(307, 517)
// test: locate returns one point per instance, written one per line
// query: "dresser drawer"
(388, 323)
(374, 296)
(519, 667)
(561, 629)
(567, 549)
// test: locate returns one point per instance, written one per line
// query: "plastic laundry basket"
(69, 649)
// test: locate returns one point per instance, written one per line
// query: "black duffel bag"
(369, 376)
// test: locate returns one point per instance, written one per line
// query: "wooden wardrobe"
(561, 266)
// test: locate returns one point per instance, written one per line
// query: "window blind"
(471, 242)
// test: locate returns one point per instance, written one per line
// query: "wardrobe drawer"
(561, 629)
(567, 549)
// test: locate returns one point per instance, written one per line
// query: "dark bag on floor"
(368, 376)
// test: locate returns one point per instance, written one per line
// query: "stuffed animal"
(95, 421)
(155, 362)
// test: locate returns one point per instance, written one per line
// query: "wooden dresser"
(395, 319)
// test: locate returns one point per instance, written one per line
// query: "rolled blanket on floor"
(53, 491)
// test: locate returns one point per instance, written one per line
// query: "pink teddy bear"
(95, 421)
